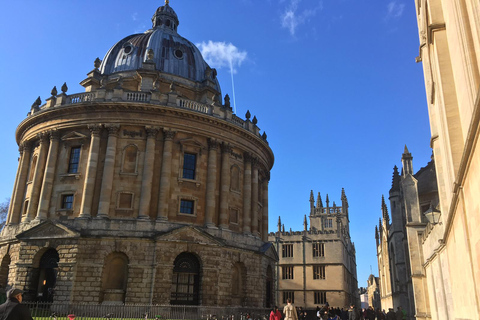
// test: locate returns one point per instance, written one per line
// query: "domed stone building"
(144, 189)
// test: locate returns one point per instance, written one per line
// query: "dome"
(172, 53)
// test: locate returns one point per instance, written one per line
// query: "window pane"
(74, 160)
(67, 201)
(189, 164)
(186, 206)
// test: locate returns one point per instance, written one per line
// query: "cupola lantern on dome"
(165, 17)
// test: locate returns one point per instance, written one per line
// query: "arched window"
(129, 164)
(238, 284)
(47, 279)
(114, 278)
(235, 178)
(186, 280)
(4, 270)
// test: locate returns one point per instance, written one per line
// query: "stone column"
(225, 185)
(147, 175)
(247, 193)
(166, 175)
(211, 182)
(91, 172)
(49, 176)
(255, 197)
(37, 178)
(108, 170)
(265, 206)
(15, 214)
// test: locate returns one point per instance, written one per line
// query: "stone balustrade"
(215, 110)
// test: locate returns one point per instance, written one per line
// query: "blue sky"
(333, 83)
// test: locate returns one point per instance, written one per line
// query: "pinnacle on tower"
(327, 201)
(319, 201)
(376, 233)
(407, 162)
(395, 180)
(305, 224)
(384, 210)
(279, 224)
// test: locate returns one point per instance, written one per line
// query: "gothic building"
(449, 246)
(317, 265)
(145, 188)
(411, 196)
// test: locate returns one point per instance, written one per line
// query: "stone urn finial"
(254, 120)
(264, 136)
(172, 87)
(227, 101)
(54, 91)
(97, 63)
(64, 88)
(248, 115)
(150, 55)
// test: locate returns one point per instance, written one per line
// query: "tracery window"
(185, 280)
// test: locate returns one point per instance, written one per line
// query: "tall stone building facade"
(449, 247)
(144, 189)
(398, 239)
(317, 265)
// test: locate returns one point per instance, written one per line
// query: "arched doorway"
(114, 278)
(269, 288)
(186, 280)
(4, 270)
(48, 269)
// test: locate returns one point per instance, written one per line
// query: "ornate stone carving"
(227, 148)
(42, 137)
(254, 120)
(254, 161)
(168, 134)
(247, 156)
(54, 134)
(150, 55)
(97, 63)
(212, 144)
(54, 91)
(112, 129)
(227, 101)
(248, 115)
(94, 128)
(151, 131)
(64, 88)
(24, 146)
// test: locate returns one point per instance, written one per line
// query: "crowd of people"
(290, 312)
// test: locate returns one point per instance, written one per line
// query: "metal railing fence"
(59, 311)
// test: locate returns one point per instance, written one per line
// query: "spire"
(376, 233)
(395, 180)
(384, 210)
(327, 201)
(343, 196)
(407, 162)
(279, 224)
(312, 203)
(319, 201)
(305, 224)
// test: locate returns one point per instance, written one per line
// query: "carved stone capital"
(94, 128)
(54, 135)
(112, 129)
(151, 131)
(24, 146)
(212, 144)
(42, 137)
(227, 148)
(254, 162)
(168, 134)
(247, 156)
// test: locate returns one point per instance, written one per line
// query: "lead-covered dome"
(172, 53)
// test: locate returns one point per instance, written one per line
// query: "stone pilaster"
(147, 176)
(166, 174)
(15, 214)
(37, 178)
(225, 185)
(265, 206)
(108, 170)
(211, 182)
(49, 176)
(247, 193)
(91, 172)
(255, 197)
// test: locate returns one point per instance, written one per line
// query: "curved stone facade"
(143, 189)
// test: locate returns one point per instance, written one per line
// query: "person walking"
(289, 311)
(13, 309)
(352, 313)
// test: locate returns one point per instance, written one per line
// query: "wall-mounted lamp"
(433, 215)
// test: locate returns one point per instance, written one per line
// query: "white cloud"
(135, 16)
(291, 18)
(395, 9)
(222, 54)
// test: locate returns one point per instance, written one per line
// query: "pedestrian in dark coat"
(13, 309)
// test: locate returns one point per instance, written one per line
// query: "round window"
(127, 48)
(178, 54)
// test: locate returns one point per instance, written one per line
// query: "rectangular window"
(186, 206)
(288, 295)
(67, 201)
(189, 165)
(328, 223)
(318, 249)
(287, 251)
(74, 160)
(287, 273)
(320, 297)
(318, 272)
(125, 200)
(234, 216)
